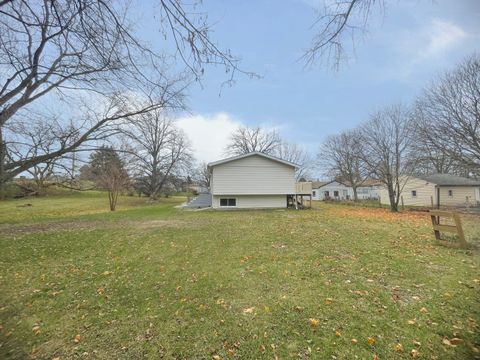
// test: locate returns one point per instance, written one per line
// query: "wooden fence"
(438, 227)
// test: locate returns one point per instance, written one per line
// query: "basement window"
(414, 193)
(450, 192)
(228, 202)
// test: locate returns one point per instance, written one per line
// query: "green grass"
(153, 281)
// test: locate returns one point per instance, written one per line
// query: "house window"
(450, 192)
(335, 194)
(228, 202)
(314, 193)
(327, 194)
(414, 193)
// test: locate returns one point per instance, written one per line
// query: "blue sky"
(403, 50)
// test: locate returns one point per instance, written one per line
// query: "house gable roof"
(448, 180)
(255, 153)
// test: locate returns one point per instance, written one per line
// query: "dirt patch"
(24, 229)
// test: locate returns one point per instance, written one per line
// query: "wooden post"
(310, 201)
(438, 197)
(431, 201)
(403, 205)
(460, 233)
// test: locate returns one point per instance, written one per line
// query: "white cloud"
(209, 134)
(439, 36)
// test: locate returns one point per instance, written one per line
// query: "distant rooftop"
(449, 180)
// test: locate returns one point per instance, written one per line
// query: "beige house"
(430, 190)
(253, 180)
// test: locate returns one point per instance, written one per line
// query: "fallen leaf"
(76, 339)
(423, 310)
(249, 310)
(371, 341)
(314, 322)
(399, 348)
(414, 353)
(375, 357)
(456, 341)
(354, 341)
(338, 333)
(36, 329)
(416, 343)
(411, 322)
(216, 357)
(446, 342)
(328, 301)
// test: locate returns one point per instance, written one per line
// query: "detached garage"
(253, 180)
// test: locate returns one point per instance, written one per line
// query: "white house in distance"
(336, 190)
(253, 180)
(446, 189)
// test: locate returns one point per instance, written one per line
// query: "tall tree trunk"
(3, 155)
(355, 195)
(392, 198)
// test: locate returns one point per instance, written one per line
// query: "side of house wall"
(252, 201)
(254, 175)
(416, 192)
(461, 195)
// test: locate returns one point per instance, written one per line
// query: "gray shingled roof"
(449, 180)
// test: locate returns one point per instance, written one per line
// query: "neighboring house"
(370, 189)
(331, 190)
(429, 190)
(253, 180)
(337, 190)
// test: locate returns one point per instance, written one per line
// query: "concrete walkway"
(199, 202)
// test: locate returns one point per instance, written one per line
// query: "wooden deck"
(303, 188)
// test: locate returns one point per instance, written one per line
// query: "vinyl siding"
(254, 175)
(460, 194)
(252, 201)
(425, 192)
(331, 188)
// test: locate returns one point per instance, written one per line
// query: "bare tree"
(448, 116)
(113, 180)
(161, 149)
(387, 141)
(64, 50)
(338, 22)
(108, 172)
(246, 139)
(204, 175)
(342, 157)
(297, 155)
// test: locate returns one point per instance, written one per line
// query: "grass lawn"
(153, 281)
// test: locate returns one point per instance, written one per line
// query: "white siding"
(343, 191)
(252, 201)
(461, 195)
(424, 193)
(253, 175)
